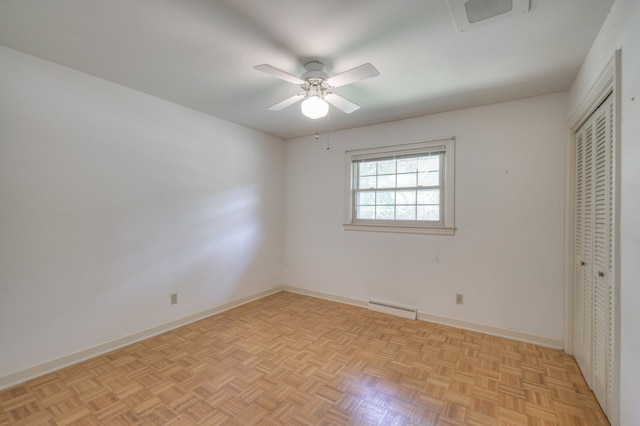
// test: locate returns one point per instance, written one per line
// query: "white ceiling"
(201, 53)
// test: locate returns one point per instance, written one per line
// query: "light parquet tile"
(293, 360)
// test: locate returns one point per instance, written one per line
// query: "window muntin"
(402, 188)
(405, 188)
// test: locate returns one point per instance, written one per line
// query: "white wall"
(110, 200)
(507, 254)
(621, 30)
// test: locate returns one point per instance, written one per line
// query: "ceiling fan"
(317, 87)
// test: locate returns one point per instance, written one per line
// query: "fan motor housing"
(314, 70)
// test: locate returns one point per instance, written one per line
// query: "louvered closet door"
(603, 252)
(582, 318)
(594, 255)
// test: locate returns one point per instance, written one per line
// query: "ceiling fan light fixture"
(314, 107)
(317, 87)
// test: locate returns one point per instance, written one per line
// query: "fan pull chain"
(328, 130)
(317, 136)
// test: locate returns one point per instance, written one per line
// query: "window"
(402, 188)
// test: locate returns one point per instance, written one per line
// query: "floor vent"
(399, 311)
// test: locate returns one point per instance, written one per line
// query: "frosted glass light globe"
(314, 107)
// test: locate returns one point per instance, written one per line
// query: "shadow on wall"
(204, 246)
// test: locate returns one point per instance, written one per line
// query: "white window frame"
(445, 226)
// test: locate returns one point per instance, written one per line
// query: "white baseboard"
(326, 296)
(549, 342)
(56, 364)
(48, 367)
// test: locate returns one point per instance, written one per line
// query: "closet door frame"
(607, 83)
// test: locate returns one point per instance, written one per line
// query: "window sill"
(401, 229)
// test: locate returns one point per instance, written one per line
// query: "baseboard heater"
(387, 308)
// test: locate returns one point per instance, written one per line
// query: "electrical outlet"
(174, 298)
(459, 299)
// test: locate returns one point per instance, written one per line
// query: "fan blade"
(362, 72)
(289, 101)
(276, 72)
(340, 103)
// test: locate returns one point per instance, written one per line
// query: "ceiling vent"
(469, 14)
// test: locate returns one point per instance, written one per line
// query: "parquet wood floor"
(294, 360)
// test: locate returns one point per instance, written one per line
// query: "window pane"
(429, 178)
(429, 196)
(406, 213)
(367, 169)
(407, 180)
(430, 163)
(385, 212)
(406, 197)
(366, 212)
(385, 197)
(387, 181)
(366, 199)
(367, 182)
(429, 213)
(387, 167)
(407, 165)
(407, 184)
